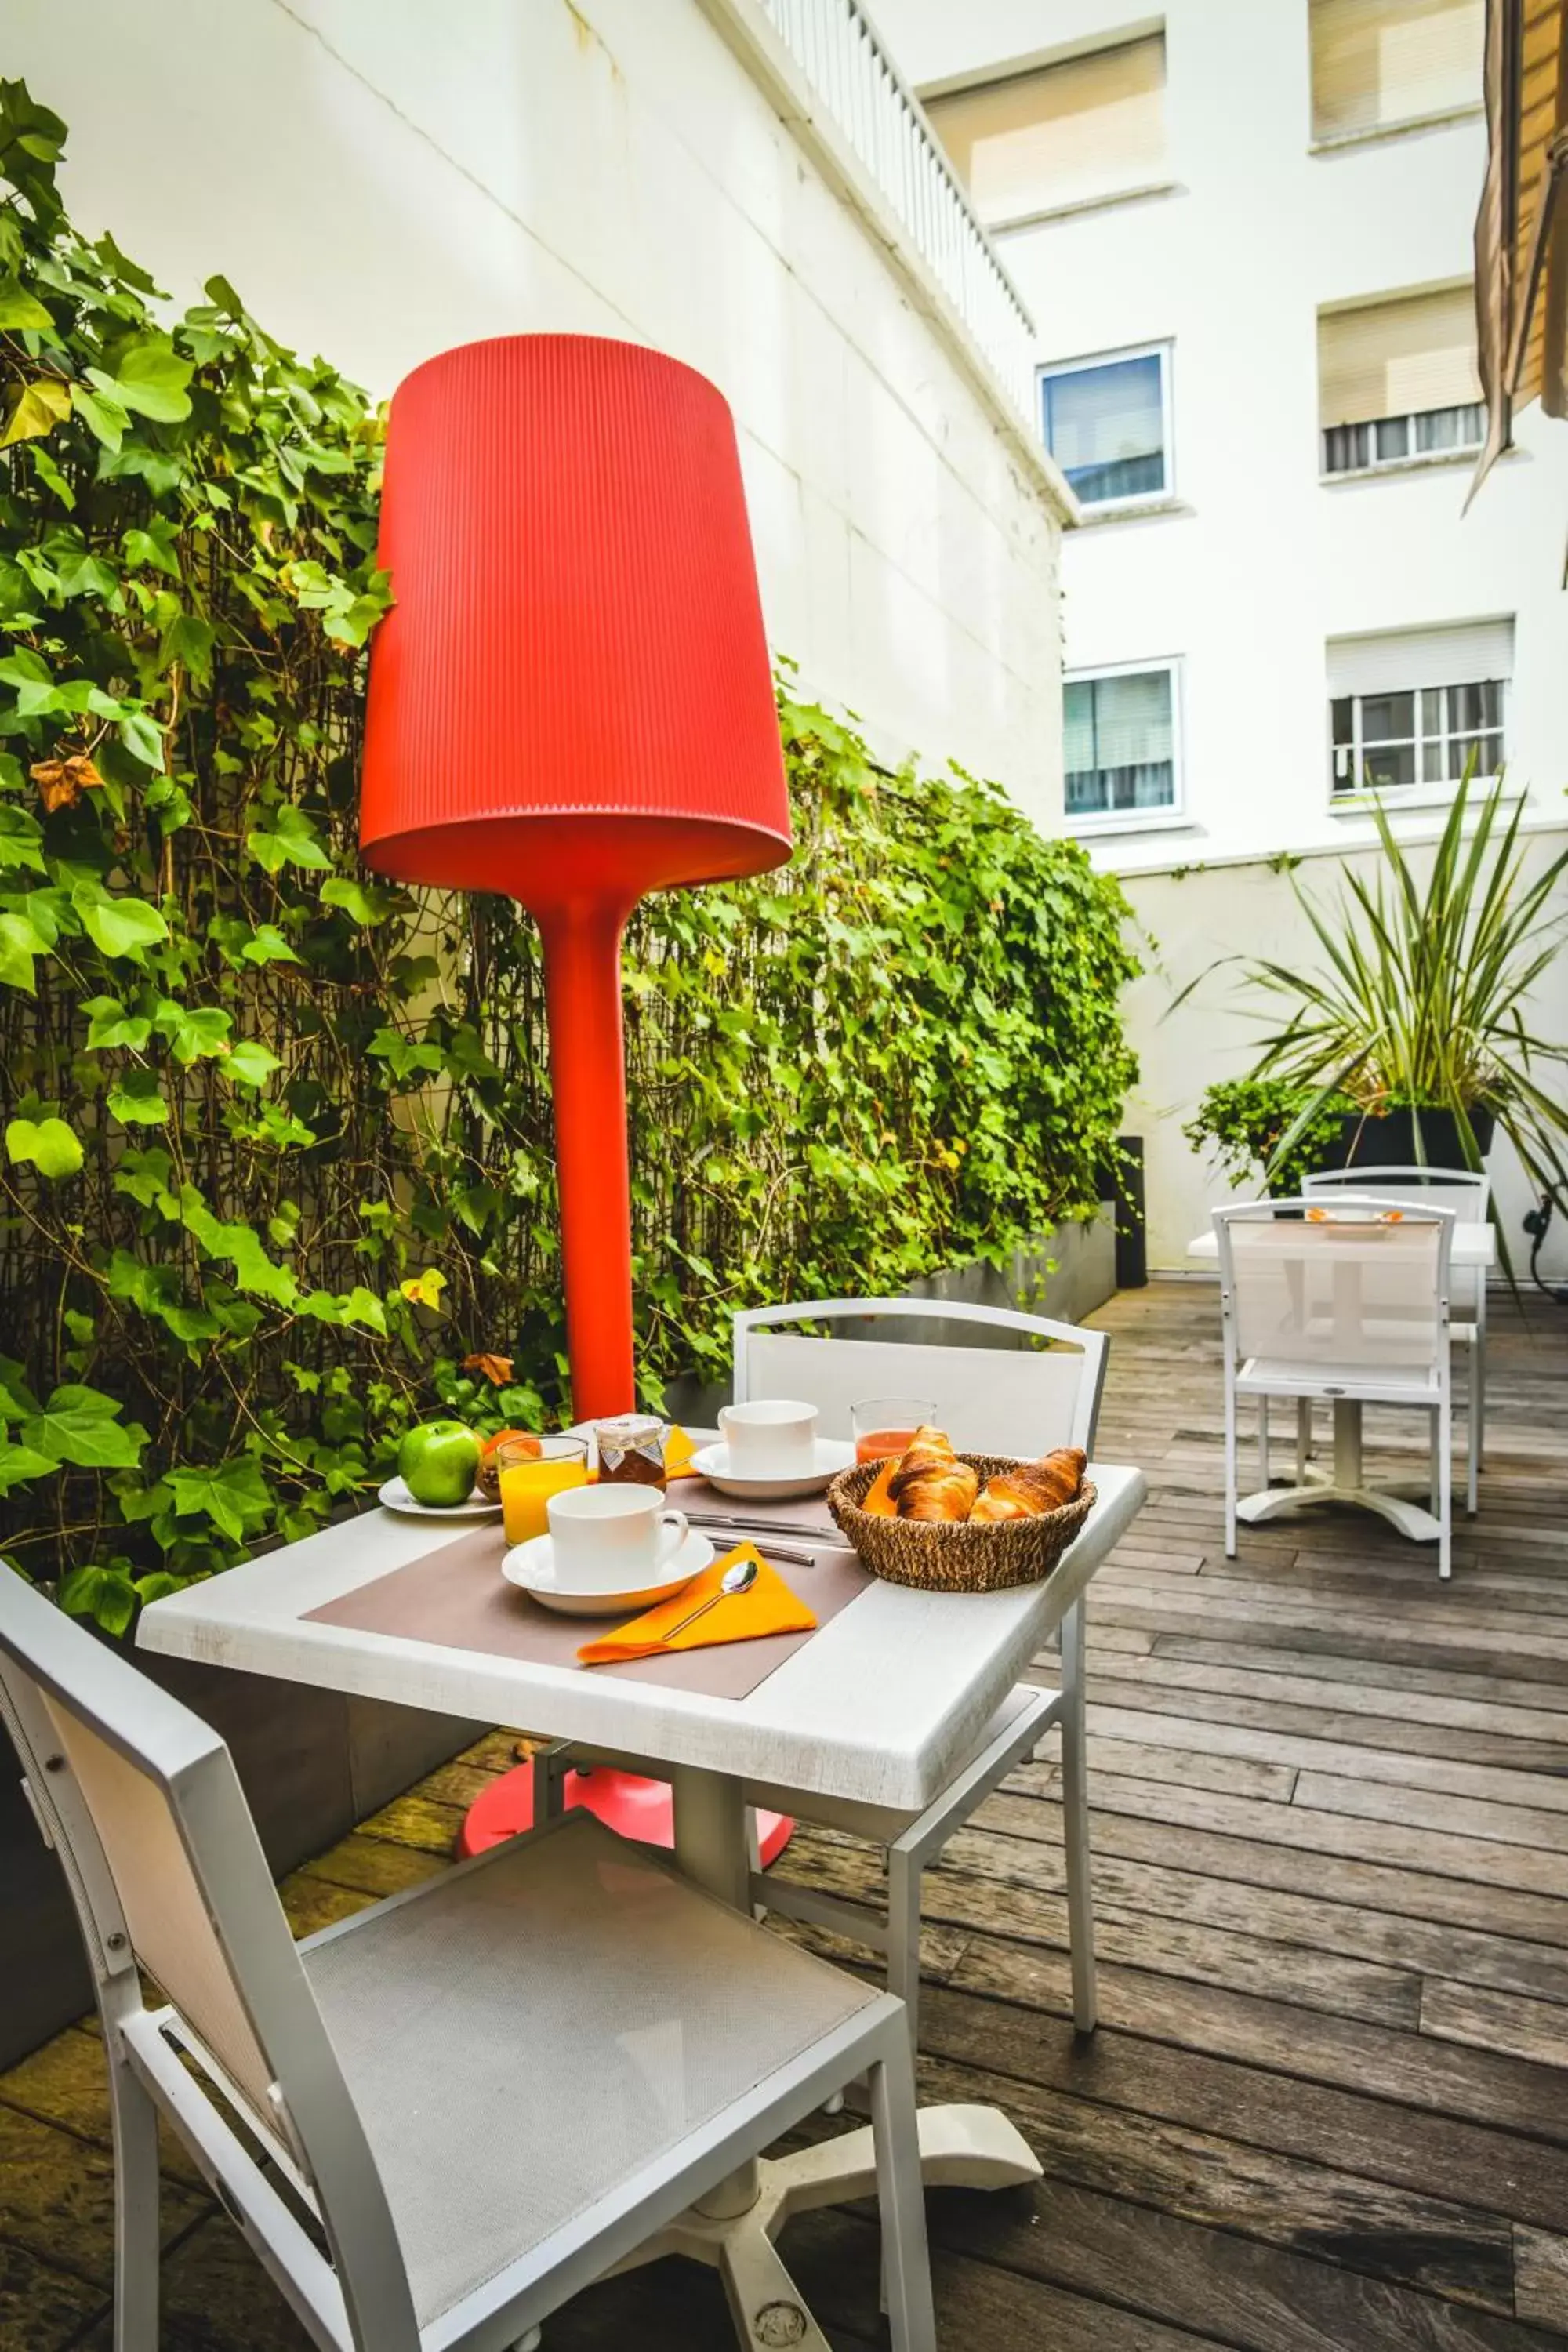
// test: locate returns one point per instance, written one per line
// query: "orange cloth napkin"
(877, 1500)
(678, 1450)
(769, 1607)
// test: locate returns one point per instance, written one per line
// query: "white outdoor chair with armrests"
(437, 2121)
(1469, 1194)
(989, 1400)
(1346, 1312)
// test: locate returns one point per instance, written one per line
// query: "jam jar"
(631, 1449)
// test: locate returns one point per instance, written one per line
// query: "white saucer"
(396, 1498)
(532, 1568)
(829, 1455)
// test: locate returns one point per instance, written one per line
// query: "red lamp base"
(623, 1801)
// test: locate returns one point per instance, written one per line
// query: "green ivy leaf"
(150, 379)
(19, 945)
(358, 1306)
(364, 903)
(100, 412)
(288, 839)
(136, 1100)
(106, 1595)
(250, 1063)
(152, 549)
(195, 1033)
(144, 738)
(234, 1496)
(20, 1463)
(45, 1144)
(110, 1025)
(119, 927)
(21, 312)
(21, 842)
(267, 944)
(82, 1425)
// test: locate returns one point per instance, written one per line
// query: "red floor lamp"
(572, 702)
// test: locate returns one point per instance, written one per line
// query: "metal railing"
(837, 50)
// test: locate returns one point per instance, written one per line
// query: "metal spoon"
(739, 1578)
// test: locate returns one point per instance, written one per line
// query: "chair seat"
(1371, 1383)
(528, 2033)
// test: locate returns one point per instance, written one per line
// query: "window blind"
(1460, 655)
(1380, 62)
(1398, 358)
(1059, 135)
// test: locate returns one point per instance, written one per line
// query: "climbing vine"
(277, 1172)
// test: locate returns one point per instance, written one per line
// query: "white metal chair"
(1469, 1193)
(437, 2121)
(1345, 1312)
(991, 1400)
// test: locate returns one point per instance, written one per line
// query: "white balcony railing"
(836, 49)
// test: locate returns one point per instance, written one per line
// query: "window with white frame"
(1416, 709)
(1107, 423)
(1397, 379)
(1121, 743)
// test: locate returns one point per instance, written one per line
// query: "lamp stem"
(588, 1080)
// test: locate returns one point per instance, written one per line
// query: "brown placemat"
(457, 1598)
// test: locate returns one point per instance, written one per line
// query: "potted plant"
(1418, 1017)
(1240, 1122)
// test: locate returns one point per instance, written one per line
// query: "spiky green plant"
(1423, 998)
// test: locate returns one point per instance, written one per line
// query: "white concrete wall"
(1248, 909)
(384, 178)
(1261, 562)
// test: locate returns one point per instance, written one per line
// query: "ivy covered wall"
(277, 1135)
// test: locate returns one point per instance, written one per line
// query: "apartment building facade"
(740, 183)
(1245, 229)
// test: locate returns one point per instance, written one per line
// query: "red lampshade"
(577, 634)
(572, 702)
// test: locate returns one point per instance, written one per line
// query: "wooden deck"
(1324, 2111)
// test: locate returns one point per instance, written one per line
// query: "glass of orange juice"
(884, 1425)
(532, 1469)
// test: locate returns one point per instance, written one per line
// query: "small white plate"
(396, 1498)
(532, 1568)
(829, 1455)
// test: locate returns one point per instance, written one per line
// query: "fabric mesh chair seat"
(568, 1976)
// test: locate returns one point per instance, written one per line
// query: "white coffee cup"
(612, 1538)
(775, 1438)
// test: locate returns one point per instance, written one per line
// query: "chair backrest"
(1468, 1191)
(1023, 1399)
(1317, 1285)
(142, 1801)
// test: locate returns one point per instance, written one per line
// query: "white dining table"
(1473, 1245)
(881, 1706)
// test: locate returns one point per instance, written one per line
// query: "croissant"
(1034, 1487)
(943, 1489)
(927, 1449)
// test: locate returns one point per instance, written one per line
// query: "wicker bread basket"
(955, 1555)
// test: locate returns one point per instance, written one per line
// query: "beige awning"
(1521, 228)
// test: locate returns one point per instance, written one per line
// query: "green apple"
(436, 1463)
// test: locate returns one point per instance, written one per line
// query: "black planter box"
(1389, 1142)
(313, 1763)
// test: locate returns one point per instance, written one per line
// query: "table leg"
(1347, 1484)
(734, 2227)
(712, 1848)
